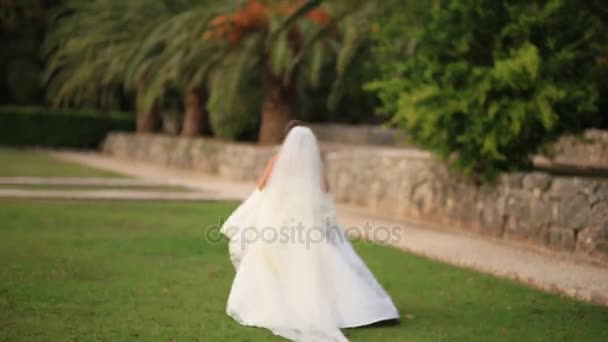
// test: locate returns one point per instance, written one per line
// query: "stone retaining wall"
(566, 214)
(236, 161)
(231, 160)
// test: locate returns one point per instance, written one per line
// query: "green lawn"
(15, 162)
(142, 271)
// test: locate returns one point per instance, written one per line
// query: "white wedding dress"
(296, 272)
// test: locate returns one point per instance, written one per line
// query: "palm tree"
(288, 45)
(173, 55)
(90, 46)
(98, 48)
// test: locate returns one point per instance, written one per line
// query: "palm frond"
(303, 10)
(100, 35)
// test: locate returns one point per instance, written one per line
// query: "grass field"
(30, 163)
(142, 271)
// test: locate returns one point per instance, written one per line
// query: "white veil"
(298, 165)
(292, 197)
(294, 192)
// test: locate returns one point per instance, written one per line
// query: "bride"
(296, 272)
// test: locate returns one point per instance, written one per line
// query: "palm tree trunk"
(196, 118)
(147, 118)
(278, 108)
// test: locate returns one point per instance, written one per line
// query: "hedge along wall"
(29, 126)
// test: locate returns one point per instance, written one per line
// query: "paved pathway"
(546, 271)
(221, 188)
(82, 181)
(139, 195)
(105, 189)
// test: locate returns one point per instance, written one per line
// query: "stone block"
(511, 180)
(574, 211)
(536, 180)
(516, 230)
(562, 239)
(492, 221)
(563, 187)
(518, 205)
(541, 212)
(593, 241)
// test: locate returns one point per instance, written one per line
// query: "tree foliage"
(281, 41)
(91, 44)
(297, 47)
(173, 55)
(491, 82)
(101, 50)
(22, 26)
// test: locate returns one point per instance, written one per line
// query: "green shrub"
(34, 126)
(492, 81)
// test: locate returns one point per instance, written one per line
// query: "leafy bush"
(35, 126)
(492, 81)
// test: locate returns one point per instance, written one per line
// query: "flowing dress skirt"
(302, 281)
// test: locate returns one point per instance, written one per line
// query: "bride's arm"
(266, 174)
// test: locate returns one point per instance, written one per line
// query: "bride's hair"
(291, 124)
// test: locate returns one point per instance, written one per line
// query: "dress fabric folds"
(296, 271)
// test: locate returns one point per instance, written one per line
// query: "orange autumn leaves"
(254, 16)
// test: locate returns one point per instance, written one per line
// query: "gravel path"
(544, 270)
